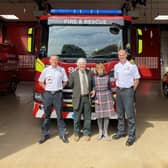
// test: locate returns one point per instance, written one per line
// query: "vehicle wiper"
(76, 55)
(109, 55)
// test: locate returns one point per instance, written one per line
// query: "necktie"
(84, 82)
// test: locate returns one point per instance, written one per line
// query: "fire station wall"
(164, 48)
(0, 34)
(2, 31)
(86, 4)
(149, 61)
(17, 33)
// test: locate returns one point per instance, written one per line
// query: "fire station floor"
(20, 132)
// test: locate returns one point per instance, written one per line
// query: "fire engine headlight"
(38, 97)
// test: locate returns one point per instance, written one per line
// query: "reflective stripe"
(39, 65)
(30, 31)
(29, 40)
(39, 113)
(67, 90)
(68, 105)
(132, 61)
(140, 42)
(140, 46)
(29, 44)
(140, 32)
(67, 100)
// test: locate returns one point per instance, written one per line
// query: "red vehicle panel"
(8, 68)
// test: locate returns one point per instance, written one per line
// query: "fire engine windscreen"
(84, 41)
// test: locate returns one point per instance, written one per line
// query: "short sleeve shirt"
(53, 78)
(125, 74)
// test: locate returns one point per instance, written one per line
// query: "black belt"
(120, 88)
(54, 92)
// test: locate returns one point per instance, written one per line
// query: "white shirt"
(125, 74)
(53, 78)
(80, 77)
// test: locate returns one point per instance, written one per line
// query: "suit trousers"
(55, 100)
(85, 108)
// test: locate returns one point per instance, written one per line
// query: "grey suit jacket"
(74, 83)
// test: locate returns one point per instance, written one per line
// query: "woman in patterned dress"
(104, 107)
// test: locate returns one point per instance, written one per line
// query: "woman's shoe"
(99, 137)
(107, 138)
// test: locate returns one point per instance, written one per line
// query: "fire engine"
(96, 35)
(8, 68)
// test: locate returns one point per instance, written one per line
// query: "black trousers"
(55, 100)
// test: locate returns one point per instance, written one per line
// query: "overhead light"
(161, 17)
(9, 17)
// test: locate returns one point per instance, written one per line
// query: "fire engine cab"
(8, 68)
(96, 35)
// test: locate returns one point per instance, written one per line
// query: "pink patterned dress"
(103, 102)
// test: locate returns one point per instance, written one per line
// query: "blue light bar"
(86, 11)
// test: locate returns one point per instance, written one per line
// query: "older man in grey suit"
(81, 83)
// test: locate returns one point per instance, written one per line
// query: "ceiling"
(24, 9)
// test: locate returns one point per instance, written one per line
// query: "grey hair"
(81, 60)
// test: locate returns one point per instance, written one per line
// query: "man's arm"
(136, 83)
(136, 77)
(65, 78)
(41, 79)
(93, 92)
(64, 83)
(71, 81)
(42, 84)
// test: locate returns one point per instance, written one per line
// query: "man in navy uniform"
(53, 79)
(127, 79)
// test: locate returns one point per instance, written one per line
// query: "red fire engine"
(96, 35)
(8, 68)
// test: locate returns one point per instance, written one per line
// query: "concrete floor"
(19, 133)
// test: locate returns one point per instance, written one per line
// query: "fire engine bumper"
(38, 112)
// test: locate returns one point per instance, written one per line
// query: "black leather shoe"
(130, 142)
(118, 136)
(64, 139)
(43, 139)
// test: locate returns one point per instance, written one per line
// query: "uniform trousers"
(49, 101)
(125, 104)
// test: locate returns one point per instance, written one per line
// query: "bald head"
(54, 56)
(54, 60)
(122, 55)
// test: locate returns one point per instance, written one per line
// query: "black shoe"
(43, 139)
(130, 142)
(118, 136)
(64, 139)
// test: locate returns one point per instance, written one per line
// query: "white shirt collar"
(53, 67)
(127, 62)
